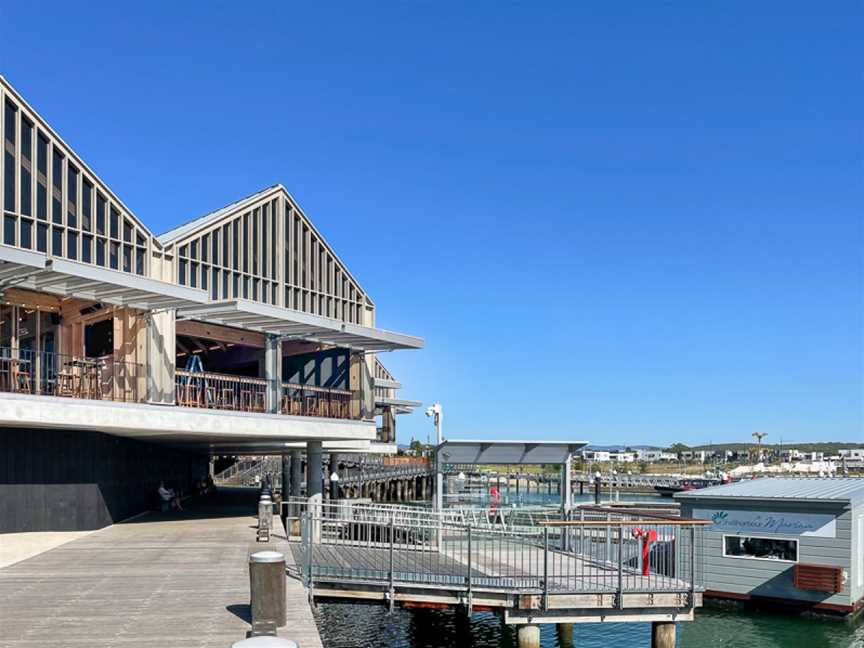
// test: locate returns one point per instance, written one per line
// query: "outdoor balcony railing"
(55, 374)
(225, 392)
(304, 400)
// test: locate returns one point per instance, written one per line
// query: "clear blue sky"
(639, 224)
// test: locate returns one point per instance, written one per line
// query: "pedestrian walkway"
(178, 579)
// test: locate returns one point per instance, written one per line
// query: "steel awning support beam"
(291, 324)
(34, 271)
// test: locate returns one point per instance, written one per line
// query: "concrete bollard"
(265, 518)
(267, 591)
(265, 642)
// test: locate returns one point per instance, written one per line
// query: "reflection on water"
(353, 625)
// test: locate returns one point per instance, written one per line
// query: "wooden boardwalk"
(159, 580)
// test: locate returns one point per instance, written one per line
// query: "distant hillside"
(828, 447)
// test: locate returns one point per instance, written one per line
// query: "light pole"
(436, 414)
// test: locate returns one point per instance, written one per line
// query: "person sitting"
(169, 497)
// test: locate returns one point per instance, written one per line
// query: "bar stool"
(227, 401)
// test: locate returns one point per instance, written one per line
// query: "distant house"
(602, 456)
(622, 457)
(852, 453)
(656, 456)
(700, 456)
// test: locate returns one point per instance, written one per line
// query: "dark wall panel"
(74, 480)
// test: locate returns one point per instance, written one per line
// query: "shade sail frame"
(295, 325)
(458, 451)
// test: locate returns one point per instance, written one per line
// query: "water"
(352, 625)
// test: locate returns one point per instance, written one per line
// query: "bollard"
(265, 642)
(267, 590)
(265, 518)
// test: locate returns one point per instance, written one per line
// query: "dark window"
(255, 218)
(114, 252)
(57, 241)
(127, 231)
(215, 250)
(57, 190)
(9, 157)
(205, 274)
(193, 275)
(42, 237)
(42, 178)
(127, 258)
(86, 206)
(10, 224)
(214, 285)
(72, 244)
(139, 260)
(236, 245)
(225, 237)
(100, 252)
(225, 284)
(182, 272)
(245, 242)
(193, 250)
(72, 196)
(26, 167)
(99, 339)
(100, 214)
(764, 548)
(205, 247)
(115, 224)
(86, 248)
(183, 251)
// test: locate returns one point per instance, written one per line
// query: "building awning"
(507, 452)
(33, 271)
(291, 324)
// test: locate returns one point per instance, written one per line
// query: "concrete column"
(314, 472)
(161, 356)
(273, 372)
(565, 635)
(662, 635)
(286, 490)
(529, 636)
(296, 475)
(334, 467)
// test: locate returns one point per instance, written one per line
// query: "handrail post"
(545, 567)
(693, 566)
(470, 595)
(392, 532)
(620, 567)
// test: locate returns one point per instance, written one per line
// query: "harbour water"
(351, 625)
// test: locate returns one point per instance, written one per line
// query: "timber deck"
(158, 580)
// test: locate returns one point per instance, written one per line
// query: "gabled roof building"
(238, 332)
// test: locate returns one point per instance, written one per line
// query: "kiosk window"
(762, 548)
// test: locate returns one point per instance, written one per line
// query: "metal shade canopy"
(37, 272)
(293, 324)
(507, 452)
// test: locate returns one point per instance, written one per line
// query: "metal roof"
(293, 324)
(828, 489)
(35, 271)
(210, 217)
(503, 451)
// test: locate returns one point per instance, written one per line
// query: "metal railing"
(220, 391)
(212, 390)
(55, 374)
(601, 552)
(306, 400)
